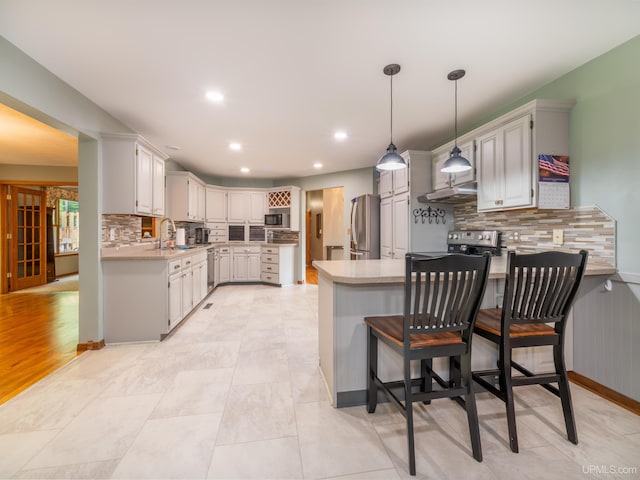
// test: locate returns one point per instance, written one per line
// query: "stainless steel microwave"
(277, 220)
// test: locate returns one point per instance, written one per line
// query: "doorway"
(325, 228)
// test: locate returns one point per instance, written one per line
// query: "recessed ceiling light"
(340, 135)
(215, 96)
(244, 170)
(172, 147)
(235, 146)
(317, 165)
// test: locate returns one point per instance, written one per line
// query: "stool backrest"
(541, 287)
(443, 294)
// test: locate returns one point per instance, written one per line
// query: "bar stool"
(540, 289)
(442, 297)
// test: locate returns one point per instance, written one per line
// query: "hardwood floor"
(312, 276)
(38, 334)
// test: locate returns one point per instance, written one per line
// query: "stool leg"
(408, 404)
(372, 354)
(470, 406)
(426, 364)
(507, 389)
(565, 394)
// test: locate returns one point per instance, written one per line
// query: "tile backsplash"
(586, 228)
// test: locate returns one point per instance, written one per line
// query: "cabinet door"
(197, 280)
(216, 205)
(401, 177)
(204, 281)
(439, 178)
(144, 180)
(386, 183)
(237, 206)
(175, 299)
(468, 152)
(489, 162)
(240, 269)
(158, 186)
(192, 198)
(257, 207)
(517, 163)
(400, 221)
(386, 228)
(187, 292)
(224, 271)
(202, 202)
(253, 267)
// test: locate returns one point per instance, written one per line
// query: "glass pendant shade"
(456, 162)
(391, 160)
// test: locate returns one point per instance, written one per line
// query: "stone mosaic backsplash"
(285, 236)
(127, 230)
(586, 228)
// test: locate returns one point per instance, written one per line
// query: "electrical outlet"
(558, 236)
(112, 234)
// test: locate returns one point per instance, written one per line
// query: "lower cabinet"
(224, 265)
(277, 264)
(246, 264)
(144, 299)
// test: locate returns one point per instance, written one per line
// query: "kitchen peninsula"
(350, 290)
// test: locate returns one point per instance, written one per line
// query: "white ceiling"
(295, 71)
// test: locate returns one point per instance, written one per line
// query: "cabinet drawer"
(269, 258)
(187, 262)
(217, 228)
(225, 250)
(269, 278)
(175, 266)
(199, 257)
(246, 249)
(271, 250)
(222, 238)
(270, 268)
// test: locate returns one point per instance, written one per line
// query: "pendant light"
(456, 162)
(391, 160)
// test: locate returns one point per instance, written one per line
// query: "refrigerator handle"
(354, 207)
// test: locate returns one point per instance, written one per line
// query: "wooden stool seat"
(489, 321)
(391, 327)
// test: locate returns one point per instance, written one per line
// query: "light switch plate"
(558, 236)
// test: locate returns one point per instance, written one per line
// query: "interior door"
(27, 245)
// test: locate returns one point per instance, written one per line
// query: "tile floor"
(235, 394)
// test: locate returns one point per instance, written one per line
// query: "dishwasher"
(211, 268)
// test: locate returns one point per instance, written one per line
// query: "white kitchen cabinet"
(245, 264)
(224, 265)
(277, 264)
(445, 180)
(158, 187)
(216, 205)
(400, 222)
(385, 186)
(507, 150)
(246, 206)
(185, 197)
(199, 268)
(505, 178)
(218, 232)
(386, 229)
(133, 176)
(187, 286)
(393, 182)
(175, 293)
(286, 200)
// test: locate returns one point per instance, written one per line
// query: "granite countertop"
(393, 271)
(147, 251)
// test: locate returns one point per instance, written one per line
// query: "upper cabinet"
(133, 176)
(186, 197)
(445, 180)
(246, 206)
(286, 199)
(216, 204)
(393, 182)
(507, 152)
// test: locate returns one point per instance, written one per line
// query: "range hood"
(453, 195)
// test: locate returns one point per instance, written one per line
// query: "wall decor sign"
(432, 215)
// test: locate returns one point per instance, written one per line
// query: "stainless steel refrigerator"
(365, 227)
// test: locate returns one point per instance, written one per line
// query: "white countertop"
(393, 271)
(147, 251)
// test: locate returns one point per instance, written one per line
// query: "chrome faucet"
(173, 228)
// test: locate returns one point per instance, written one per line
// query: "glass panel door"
(28, 239)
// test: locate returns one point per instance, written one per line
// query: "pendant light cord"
(391, 123)
(455, 122)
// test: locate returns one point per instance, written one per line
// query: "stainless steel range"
(474, 242)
